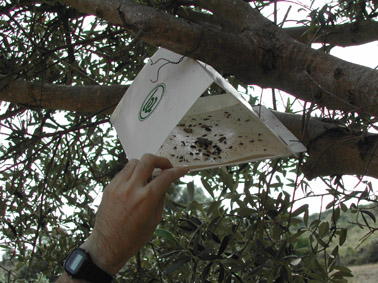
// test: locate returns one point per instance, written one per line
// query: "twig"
(41, 206)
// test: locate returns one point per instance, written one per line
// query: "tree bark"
(266, 55)
(344, 35)
(82, 99)
(333, 149)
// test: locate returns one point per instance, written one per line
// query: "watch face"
(75, 261)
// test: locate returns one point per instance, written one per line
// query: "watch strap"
(95, 274)
(90, 271)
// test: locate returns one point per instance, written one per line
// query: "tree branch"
(355, 155)
(344, 35)
(266, 55)
(298, 69)
(177, 34)
(332, 148)
(83, 99)
(349, 34)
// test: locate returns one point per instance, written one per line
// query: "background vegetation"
(357, 249)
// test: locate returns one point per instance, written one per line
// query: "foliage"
(241, 233)
(360, 246)
(54, 165)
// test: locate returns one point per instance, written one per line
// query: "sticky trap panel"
(230, 135)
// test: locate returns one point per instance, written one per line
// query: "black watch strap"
(88, 271)
(95, 274)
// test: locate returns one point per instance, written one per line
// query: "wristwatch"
(79, 265)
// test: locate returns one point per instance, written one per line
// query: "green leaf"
(169, 254)
(212, 236)
(335, 215)
(206, 255)
(167, 235)
(195, 205)
(207, 187)
(300, 210)
(321, 242)
(214, 208)
(206, 271)
(343, 236)
(237, 277)
(195, 220)
(323, 229)
(178, 263)
(224, 244)
(332, 203)
(227, 179)
(221, 273)
(342, 268)
(305, 218)
(339, 275)
(369, 213)
(314, 224)
(190, 223)
(190, 188)
(335, 251)
(295, 220)
(187, 228)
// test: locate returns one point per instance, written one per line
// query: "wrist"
(99, 257)
(80, 266)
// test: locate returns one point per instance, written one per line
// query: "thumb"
(161, 183)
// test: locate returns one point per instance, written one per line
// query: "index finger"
(146, 166)
(161, 183)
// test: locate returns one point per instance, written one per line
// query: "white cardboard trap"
(162, 113)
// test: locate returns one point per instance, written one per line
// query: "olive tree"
(65, 65)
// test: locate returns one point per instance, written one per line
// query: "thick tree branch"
(349, 34)
(332, 149)
(298, 69)
(161, 29)
(83, 99)
(355, 155)
(344, 35)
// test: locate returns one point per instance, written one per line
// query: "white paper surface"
(184, 83)
(218, 131)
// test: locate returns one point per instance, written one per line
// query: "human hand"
(129, 212)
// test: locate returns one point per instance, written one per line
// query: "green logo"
(151, 102)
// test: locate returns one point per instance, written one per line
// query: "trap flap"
(162, 113)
